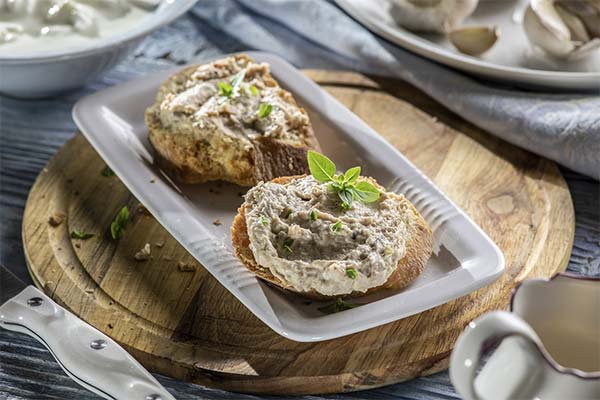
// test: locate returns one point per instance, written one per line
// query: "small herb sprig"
(117, 227)
(345, 185)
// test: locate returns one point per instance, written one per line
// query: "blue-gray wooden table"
(32, 131)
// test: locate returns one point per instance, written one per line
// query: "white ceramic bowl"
(44, 74)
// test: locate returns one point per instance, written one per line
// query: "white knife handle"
(88, 356)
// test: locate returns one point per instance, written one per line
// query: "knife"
(88, 356)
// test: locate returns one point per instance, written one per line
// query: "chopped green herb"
(323, 170)
(337, 226)
(313, 215)
(339, 305)
(78, 234)
(287, 245)
(254, 90)
(351, 273)
(117, 227)
(263, 220)
(106, 171)
(225, 89)
(264, 110)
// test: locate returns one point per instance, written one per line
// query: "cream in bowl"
(30, 26)
(51, 46)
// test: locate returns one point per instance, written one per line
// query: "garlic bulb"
(564, 29)
(439, 16)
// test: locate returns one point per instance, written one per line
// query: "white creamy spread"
(198, 107)
(28, 26)
(290, 231)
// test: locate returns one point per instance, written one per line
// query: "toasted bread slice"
(418, 250)
(204, 126)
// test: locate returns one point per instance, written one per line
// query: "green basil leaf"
(117, 227)
(352, 175)
(337, 226)
(351, 273)
(253, 90)
(264, 110)
(346, 196)
(225, 89)
(321, 167)
(366, 192)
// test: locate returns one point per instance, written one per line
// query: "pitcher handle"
(467, 352)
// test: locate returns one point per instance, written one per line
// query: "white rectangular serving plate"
(465, 258)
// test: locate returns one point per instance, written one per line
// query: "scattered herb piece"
(339, 305)
(337, 226)
(323, 170)
(106, 171)
(287, 245)
(263, 220)
(254, 90)
(351, 273)
(225, 89)
(117, 227)
(264, 110)
(78, 234)
(313, 215)
(217, 222)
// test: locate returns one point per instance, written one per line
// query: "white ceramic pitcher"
(550, 345)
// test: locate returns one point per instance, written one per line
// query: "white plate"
(512, 59)
(113, 121)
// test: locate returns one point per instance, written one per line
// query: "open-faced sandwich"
(228, 120)
(328, 235)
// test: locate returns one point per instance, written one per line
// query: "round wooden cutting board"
(177, 320)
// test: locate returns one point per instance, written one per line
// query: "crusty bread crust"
(191, 160)
(418, 250)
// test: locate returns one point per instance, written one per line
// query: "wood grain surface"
(185, 325)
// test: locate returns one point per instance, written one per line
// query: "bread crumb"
(217, 222)
(159, 244)
(144, 253)
(56, 218)
(89, 290)
(77, 245)
(185, 267)
(143, 210)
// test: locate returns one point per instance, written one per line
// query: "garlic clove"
(585, 49)
(545, 29)
(588, 11)
(436, 16)
(549, 18)
(575, 25)
(474, 40)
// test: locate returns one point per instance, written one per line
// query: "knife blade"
(88, 356)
